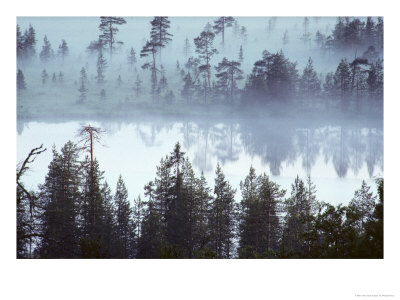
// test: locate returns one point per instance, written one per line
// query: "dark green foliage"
(273, 77)
(223, 215)
(259, 226)
(124, 229)
(228, 73)
(205, 49)
(59, 197)
(375, 79)
(342, 78)
(74, 215)
(350, 34)
(298, 236)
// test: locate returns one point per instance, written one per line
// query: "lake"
(337, 155)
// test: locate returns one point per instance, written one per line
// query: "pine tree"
(82, 85)
(220, 24)
(159, 32)
(47, 53)
(310, 85)
(109, 31)
(21, 85)
(60, 198)
(222, 219)
(101, 66)
(45, 76)
(151, 48)
(63, 50)
(228, 73)
(205, 49)
(54, 78)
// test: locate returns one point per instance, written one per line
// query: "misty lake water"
(336, 156)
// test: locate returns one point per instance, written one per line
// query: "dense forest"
(75, 215)
(109, 79)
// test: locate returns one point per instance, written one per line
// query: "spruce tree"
(259, 224)
(45, 76)
(101, 66)
(188, 88)
(21, 85)
(132, 58)
(342, 78)
(186, 48)
(82, 85)
(47, 53)
(63, 50)
(60, 199)
(223, 215)
(138, 86)
(310, 85)
(241, 54)
(29, 43)
(123, 224)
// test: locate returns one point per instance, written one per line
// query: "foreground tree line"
(74, 215)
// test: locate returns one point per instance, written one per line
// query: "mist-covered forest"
(276, 88)
(113, 67)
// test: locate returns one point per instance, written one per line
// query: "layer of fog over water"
(338, 158)
(337, 151)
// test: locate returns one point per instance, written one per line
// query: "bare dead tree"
(89, 135)
(22, 168)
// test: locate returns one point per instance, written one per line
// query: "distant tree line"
(75, 215)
